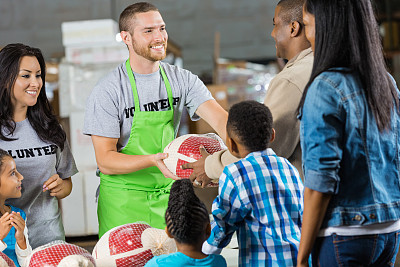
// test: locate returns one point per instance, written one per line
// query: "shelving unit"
(388, 15)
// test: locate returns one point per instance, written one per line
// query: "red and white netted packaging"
(132, 244)
(186, 148)
(5, 261)
(62, 254)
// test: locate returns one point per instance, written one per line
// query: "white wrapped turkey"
(62, 254)
(186, 148)
(132, 244)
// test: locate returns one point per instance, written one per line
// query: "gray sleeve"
(65, 166)
(102, 112)
(197, 93)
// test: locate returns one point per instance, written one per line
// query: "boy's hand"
(5, 225)
(199, 177)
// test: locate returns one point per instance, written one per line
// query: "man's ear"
(126, 37)
(295, 29)
(168, 233)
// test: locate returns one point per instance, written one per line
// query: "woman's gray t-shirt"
(37, 161)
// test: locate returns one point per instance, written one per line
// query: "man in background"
(283, 94)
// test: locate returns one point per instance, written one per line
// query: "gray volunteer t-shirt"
(110, 106)
(37, 161)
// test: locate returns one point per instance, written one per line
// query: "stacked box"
(76, 83)
(236, 81)
(93, 41)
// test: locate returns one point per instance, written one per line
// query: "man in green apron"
(133, 113)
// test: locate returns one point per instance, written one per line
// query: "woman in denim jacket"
(350, 140)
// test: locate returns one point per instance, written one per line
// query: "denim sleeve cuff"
(327, 183)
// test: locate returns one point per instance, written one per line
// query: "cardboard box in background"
(396, 68)
(72, 208)
(114, 52)
(207, 196)
(76, 83)
(220, 93)
(236, 81)
(89, 32)
(391, 35)
(79, 210)
(52, 86)
(81, 145)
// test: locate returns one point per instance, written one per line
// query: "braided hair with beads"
(186, 216)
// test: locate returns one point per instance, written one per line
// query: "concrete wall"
(244, 25)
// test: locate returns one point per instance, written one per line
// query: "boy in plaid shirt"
(260, 196)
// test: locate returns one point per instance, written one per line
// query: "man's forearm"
(113, 162)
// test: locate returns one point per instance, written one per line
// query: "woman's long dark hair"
(41, 115)
(346, 35)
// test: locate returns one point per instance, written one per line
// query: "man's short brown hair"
(125, 19)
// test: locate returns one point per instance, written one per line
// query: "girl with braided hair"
(189, 224)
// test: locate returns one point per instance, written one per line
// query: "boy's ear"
(272, 136)
(232, 145)
(208, 230)
(168, 233)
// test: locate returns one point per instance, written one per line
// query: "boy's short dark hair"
(186, 216)
(251, 122)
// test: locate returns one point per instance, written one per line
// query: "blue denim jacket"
(345, 155)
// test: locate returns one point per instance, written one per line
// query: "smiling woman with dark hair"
(31, 134)
(350, 141)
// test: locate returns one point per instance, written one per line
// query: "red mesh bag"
(186, 148)
(60, 253)
(132, 244)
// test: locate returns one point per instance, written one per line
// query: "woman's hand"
(59, 188)
(5, 225)
(19, 224)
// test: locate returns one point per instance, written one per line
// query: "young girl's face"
(10, 179)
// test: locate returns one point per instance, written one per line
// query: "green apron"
(141, 195)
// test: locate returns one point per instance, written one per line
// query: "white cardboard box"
(89, 191)
(77, 81)
(89, 32)
(112, 52)
(81, 145)
(72, 208)
(79, 209)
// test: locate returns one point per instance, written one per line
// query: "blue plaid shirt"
(260, 197)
